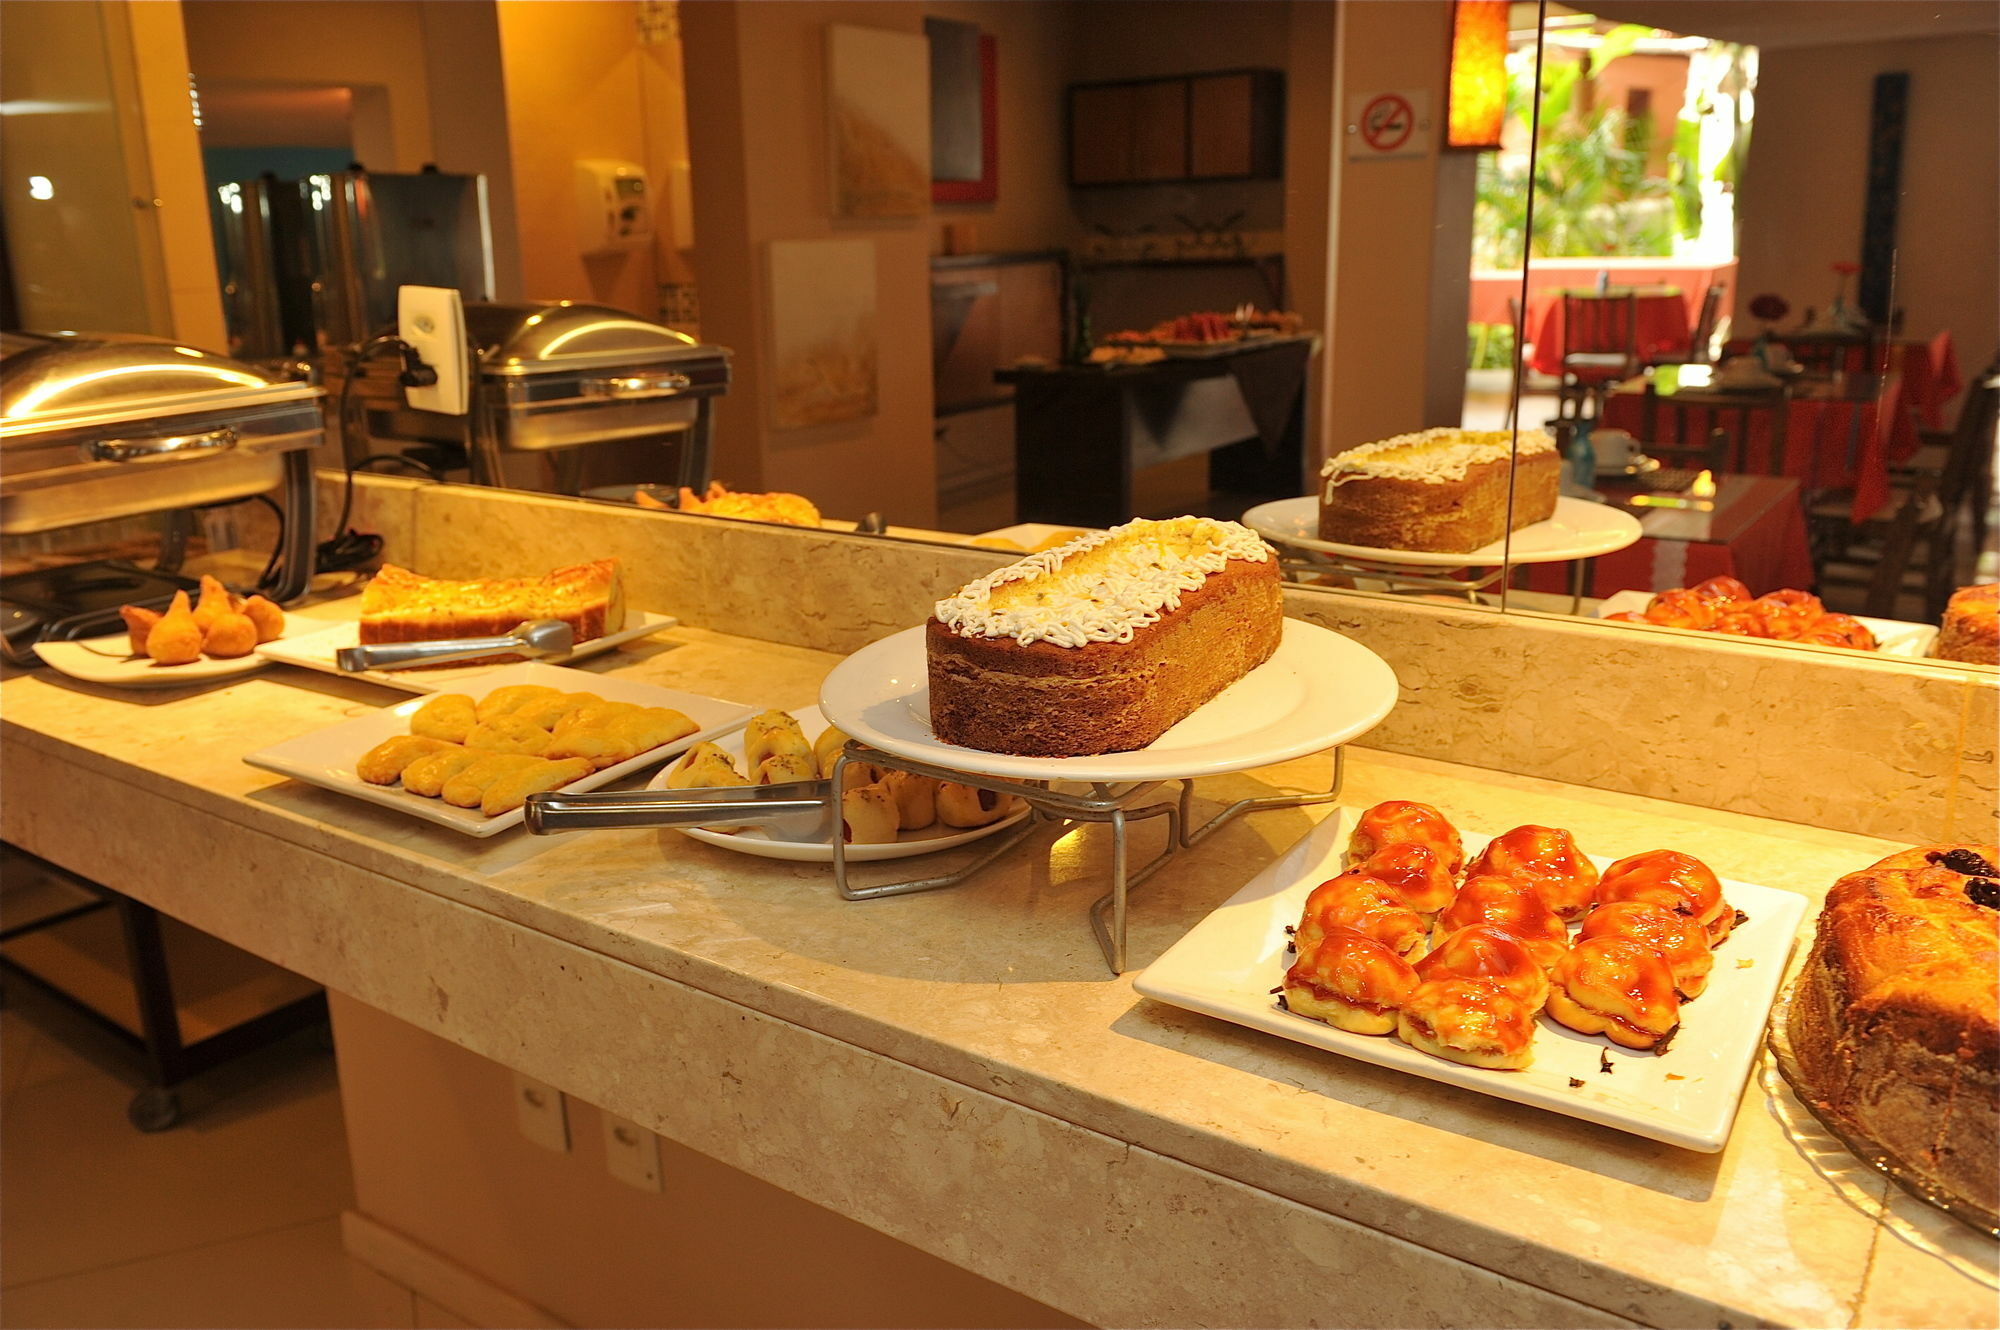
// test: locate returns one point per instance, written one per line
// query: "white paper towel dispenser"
(614, 206)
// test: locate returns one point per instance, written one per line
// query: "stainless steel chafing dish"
(100, 426)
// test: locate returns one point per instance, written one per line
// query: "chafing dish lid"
(565, 337)
(52, 381)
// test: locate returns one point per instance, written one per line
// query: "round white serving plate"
(109, 661)
(761, 841)
(1580, 529)
(1317, 690)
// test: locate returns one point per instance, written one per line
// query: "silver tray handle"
(636, 385)
(164, 448)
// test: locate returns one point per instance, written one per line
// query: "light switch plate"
(542, 1112)
(432, 320)
(631, 1153)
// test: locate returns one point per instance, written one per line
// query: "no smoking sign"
(1383, 125)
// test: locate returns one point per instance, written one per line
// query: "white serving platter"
(326, 757)
(818, 849)
(1893, 637)
(315, 651)
(1317, 690)
(1228, 964)
(109, 660)
(1579, 529)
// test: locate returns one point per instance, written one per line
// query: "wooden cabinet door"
(1100, 134)
(1160, 130)
(1219, 126)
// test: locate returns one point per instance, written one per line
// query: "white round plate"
(1640, 465)
(759, 841)
(1580, 529)
(109, 661)
(1317, 690)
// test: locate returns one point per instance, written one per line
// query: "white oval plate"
(758, 841)
(1580, 529)
(109, 660)
(1317, 690)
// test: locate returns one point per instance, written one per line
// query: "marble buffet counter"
(956, 1069)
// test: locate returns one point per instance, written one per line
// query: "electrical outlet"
(631, 1153)
(431, 319)
(542, 1112)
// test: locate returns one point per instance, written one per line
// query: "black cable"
(347, 548)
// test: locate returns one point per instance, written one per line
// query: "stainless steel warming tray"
(95, 426)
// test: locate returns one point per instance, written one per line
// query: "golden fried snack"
(383, 764)
(916, 798)
(773, 732)
(139, 621)
(468, 787)
(511, 789)
(786, 769)
(176, 638)
(508, 734)
(549, 712)
(1349, 981)
(267, 617)
(427, 775)
(868, 816)
(703, 767)
(446, 716)
(229, 636)
(215, 601)
(827, 747)
(502, 701)
(963, 806)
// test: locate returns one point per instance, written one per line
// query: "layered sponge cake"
(1103, 644)
(1441, 490)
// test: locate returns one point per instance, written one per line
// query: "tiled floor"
(229, 1219)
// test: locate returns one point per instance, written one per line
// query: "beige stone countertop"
(998, 985)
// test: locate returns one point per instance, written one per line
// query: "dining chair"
(1699, 351)
(1676, 423)
(1600, 335)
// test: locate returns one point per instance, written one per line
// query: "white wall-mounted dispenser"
(614, 207)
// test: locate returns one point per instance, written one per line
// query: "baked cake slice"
(1441, 490)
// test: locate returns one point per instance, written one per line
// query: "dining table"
(1841, 433)
(1659, 312)
(1753, 528)
(1928, 366)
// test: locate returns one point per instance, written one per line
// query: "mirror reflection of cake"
(1440, 490)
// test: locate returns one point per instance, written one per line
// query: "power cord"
(347, 548)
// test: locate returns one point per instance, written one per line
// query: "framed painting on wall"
(879, 112)
(822, 296)
(965, 124)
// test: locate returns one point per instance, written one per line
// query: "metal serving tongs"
(801, 810)
(536, 640)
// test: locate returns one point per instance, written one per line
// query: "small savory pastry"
(427, 775)
(214, 603)
(772, 732)
(1483, 951)
(1680, 882)
(1786, 614)
(1507, 903)
(1416, 872)
(1474, 1021)
(916, 798)
(1349, 981)
(615, 737)
(827, 747)
(1679, 939)
(510, 789)
(468, 788)
(702, 767)
(786, 769)
(266, 616)
(1370, 907)
(383, 764)
(963, 806)
(595, 714)
(447, 716)
(549, 712)
(868, 816)
(1401, 820)
(176, 638)
(139, 621)
(1547, 858)
(508, 734)
(502, 701)
(1618, 987)
(229, 636)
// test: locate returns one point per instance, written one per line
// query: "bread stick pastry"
(1679, 939)
(1415, 872)
(1369, 907)
(964, 806)
(1350, 981)
(1547, 858)
(1679, 882)
(510, 789)
(1474, 1021)
(550, 712)
(501, 701)
(868, 816)
(468, 787)
(427, 775)
(1619, 987)
(448, 716)
(383, 764)
(508, 734)
(1439, 490)
(1483, 951)
(1401, 821)
(1103, 644)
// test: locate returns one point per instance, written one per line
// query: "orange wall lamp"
(1478, 101)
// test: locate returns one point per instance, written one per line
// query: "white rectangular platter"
(326, 757)
(314, 651)
(1893, 637)
(1228, 964)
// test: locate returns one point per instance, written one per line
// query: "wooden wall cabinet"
(1221, 126)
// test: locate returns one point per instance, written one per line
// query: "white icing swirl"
(1100, 588)
(1433, 456)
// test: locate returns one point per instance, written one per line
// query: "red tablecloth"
(1663, 329)
(1757, 534)
(1829, 443)
(1929, 370)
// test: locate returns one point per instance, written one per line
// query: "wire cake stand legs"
(1117, 806)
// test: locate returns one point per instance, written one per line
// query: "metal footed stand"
(1115, 805)
(1304, 565)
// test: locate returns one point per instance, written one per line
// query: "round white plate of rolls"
(766, 843)
(1579, 529)
(1317, 691)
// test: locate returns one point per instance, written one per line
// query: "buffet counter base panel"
(1228, 964)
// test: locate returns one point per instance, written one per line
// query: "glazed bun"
(1366, 905)
(1510, 904)
(1474, 1021)
(1678, 939)
(1401, 821)
(1547, 858)
(1618, 987)
(1482, 951)
(1676, 881)
(1415, 871)
(1349, 981)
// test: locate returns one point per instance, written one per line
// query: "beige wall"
(1802, 193)
(758, 138)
